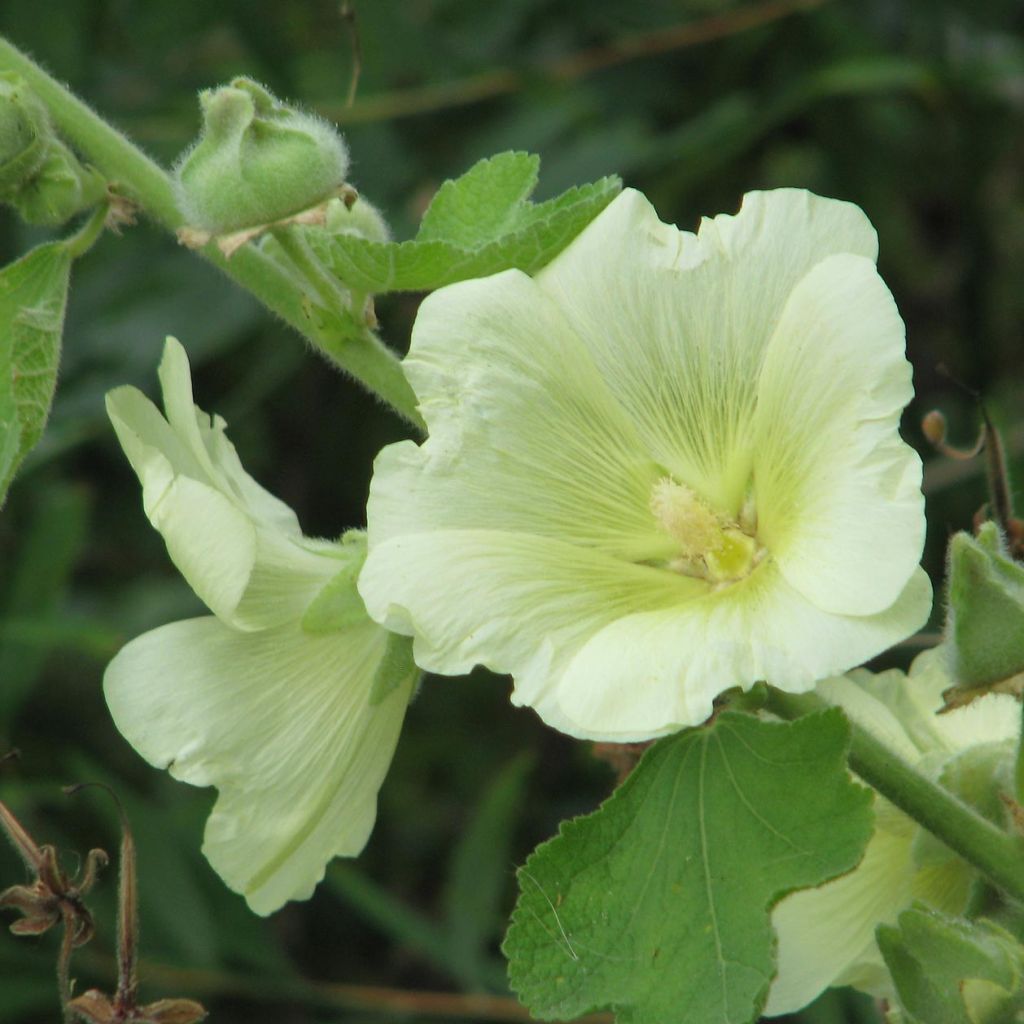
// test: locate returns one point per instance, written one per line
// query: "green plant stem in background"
(999, 856)
(360, 354)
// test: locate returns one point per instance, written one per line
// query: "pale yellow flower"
(826, 936)
(288, 698)
(665, 466)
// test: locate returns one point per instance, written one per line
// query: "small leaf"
(396, 668)
(33, 296)
(477, 225)
(950, 970)
(657, 905)
(481, 205)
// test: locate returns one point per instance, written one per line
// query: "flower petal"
(238, 546)
(541, 600)
(839, 498)
(653, 673)
(678, 324)
(827, 931)
(281, 722)
(523, 434)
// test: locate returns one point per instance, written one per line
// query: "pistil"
(710, 545)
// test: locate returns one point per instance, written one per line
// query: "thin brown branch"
(475, 88)
(334, 995)
(348, 16)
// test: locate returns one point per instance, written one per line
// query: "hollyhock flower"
(665, 466)
(288, 698)
(826, 936)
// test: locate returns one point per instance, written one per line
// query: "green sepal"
(657, 905)
(985, 622)
(477, 225)
(256, 161)
(396, 668)
(948, 970)
(24, 133)
(58, 189)
(33, 296)
(338, 605)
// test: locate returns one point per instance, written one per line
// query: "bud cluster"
(39, 175)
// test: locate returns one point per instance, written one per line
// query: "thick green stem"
(140, 178)
(997, 855)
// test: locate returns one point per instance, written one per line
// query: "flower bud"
(933, 426)
(361, 219)
(985, 621)
(58, 189)
(256, 161)
(24, 133)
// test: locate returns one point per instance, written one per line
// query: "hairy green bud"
(361, 219)
(985, 623)
(256, 161)
(58, 189)
(24, 133)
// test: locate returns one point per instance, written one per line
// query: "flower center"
(710, 546)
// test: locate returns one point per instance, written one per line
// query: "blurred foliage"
(910, 108)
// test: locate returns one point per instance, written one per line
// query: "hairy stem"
(997, 855)
(144, 181)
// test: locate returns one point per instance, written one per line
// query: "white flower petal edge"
(238, 546)
(839, 494)
(282, 723)
(644, 358)
(677, 660)
(826, 936)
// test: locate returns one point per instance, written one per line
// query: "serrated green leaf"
(948, 970)
(33, 296)
(657, 905)
(482, 224)
(484, 203)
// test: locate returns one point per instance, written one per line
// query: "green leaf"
(657, 905)
(951, 971)
(484, 203)
(477, 225)
(33, 295)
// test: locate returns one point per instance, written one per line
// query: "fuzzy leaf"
(954, 971)
(33, 295)
(477, 225)
(657, 905)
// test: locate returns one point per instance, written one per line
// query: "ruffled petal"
(839, 500)
(678, 324)
(523, 434)
(282, 723)
(653, 673)
(512, 602)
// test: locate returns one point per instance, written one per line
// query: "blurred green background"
(910, 108)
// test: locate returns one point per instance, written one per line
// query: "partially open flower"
(288, 698)
(666, 466)
(826, 936)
